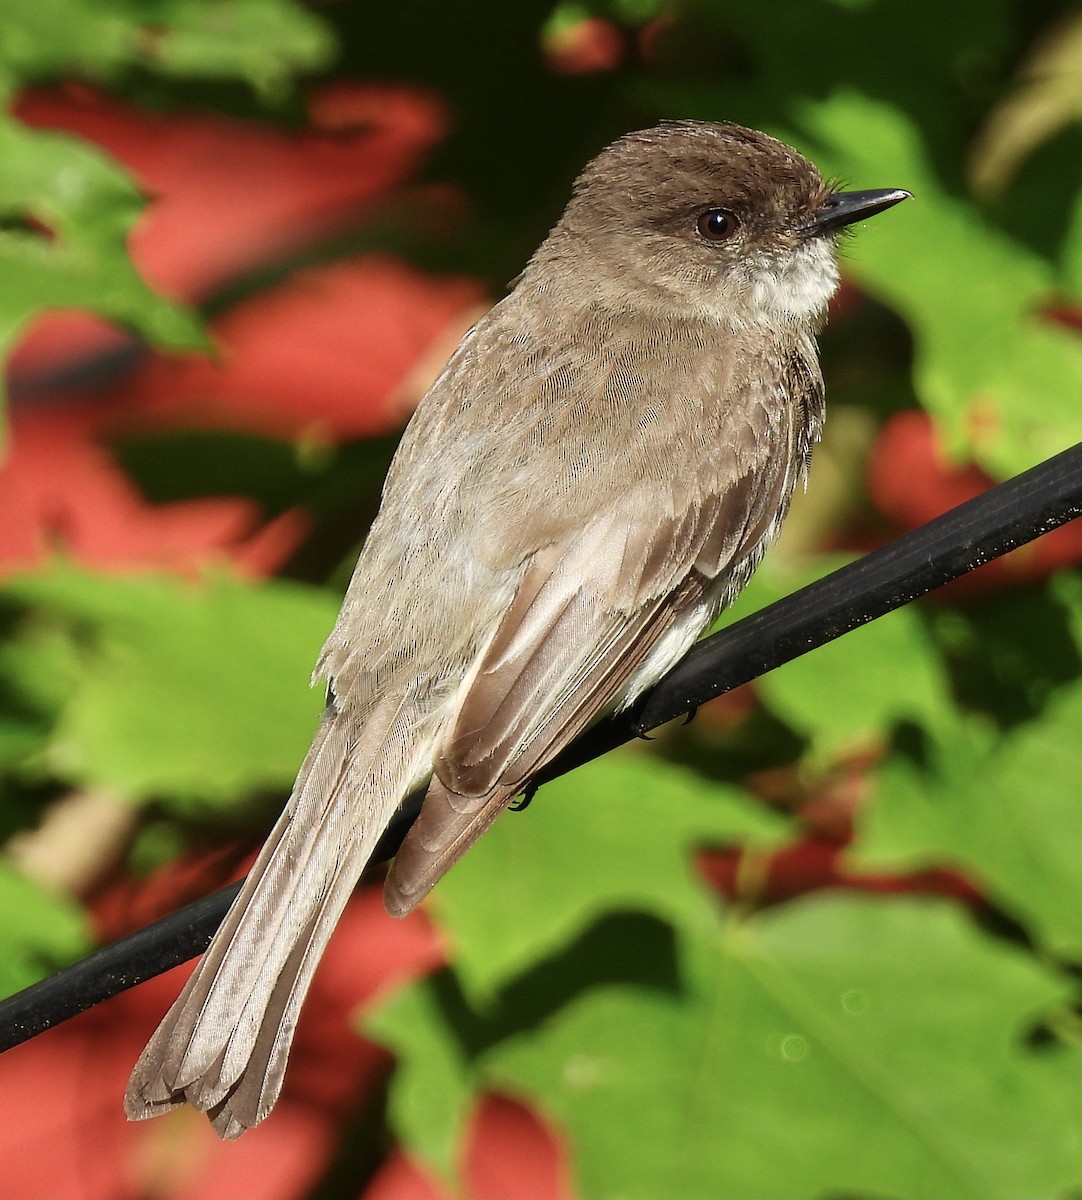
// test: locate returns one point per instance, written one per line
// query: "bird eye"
(717, 224)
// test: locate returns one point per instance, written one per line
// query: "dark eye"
(717, 224)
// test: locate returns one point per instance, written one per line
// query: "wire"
(966, 537)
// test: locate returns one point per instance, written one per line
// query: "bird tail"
(223, 1045)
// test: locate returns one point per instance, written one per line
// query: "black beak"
(844, 208)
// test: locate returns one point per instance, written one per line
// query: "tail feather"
(446, 827)
(223, 1045)
(259, 1083)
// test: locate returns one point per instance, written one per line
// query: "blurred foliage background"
(825, 941)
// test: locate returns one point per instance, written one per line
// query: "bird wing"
(588, 614)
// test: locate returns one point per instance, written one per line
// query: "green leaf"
(440, 1039)
(32, 674)
(1072, 248)
(1002, 382)
(851, 691)
(49, 37)
(262, 41)
(432, 1090)
(87, 206)
(1010, 652)
(877, 104)
(196, 692)
(1006, 815)
(259, 41)
(616, 834)
(996, 799)
(66, 210)
(841, 1046)
(39, 931)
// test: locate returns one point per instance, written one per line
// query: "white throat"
(795, 287)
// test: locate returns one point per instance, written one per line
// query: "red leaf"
(60, 491)
(584, 48)
(229, 194)
(910, 481)
(331, 353)
(510, 1154)
(63, 1131)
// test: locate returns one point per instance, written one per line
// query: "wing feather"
(604, 612)
(561, 655)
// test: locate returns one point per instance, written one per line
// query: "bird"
(592, 477)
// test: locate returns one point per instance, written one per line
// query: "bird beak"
(844, 208)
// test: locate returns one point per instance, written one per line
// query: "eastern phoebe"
(594, 475)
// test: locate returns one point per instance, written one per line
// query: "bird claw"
(524, 801)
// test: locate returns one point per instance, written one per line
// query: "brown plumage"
(596, 472)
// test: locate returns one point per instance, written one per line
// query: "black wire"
(962, 539)
(967, 537)
(113, 969)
